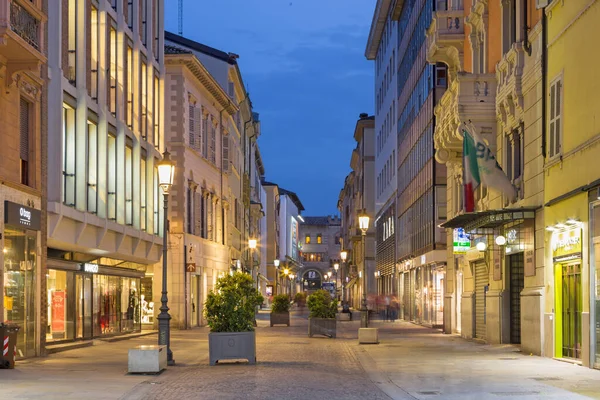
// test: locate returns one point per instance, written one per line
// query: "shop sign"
(529, 256)
(462, 243)
(497, 265)
(58, 311)
(21, 216)
(90, 268)
(566, 245)
(190, 267)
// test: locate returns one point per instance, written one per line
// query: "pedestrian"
(394, 305)
(386, 302)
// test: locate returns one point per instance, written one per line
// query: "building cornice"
(380, 14)
(204, 77)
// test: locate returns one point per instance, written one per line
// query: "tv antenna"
(180, 17)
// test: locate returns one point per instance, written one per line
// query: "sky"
(304, 67)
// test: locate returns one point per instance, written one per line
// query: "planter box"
(344, 316)
(280, 318)
(321, 326)
(232, 346)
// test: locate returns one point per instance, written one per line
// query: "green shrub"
(281, 303)
(231, 305)
(321, 305)
(300, 299)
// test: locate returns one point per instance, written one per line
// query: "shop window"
(61, 302)
(25, 132)
(92, 167)
(68, 156)
(20, 265)
(147, 305)
(319, 239)
(130, 309)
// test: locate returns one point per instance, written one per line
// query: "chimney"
(364, 115)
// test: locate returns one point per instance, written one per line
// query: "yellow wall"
(494, 36)
(573, 53)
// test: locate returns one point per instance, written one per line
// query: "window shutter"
(213, 140)
(24, 133)
(192, 133)
(198, 214)
(198, 132)
(205, 137)
(225, 153)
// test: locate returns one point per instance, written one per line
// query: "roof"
(293, 196)
(175, 50)
(315, 221)
(382, 8)
(265, 183)
(230, 58)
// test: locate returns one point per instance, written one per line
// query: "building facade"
(273, 257)
(290, 208)
(381, 48)
(23, 112)
(421, 191)
(106, 136)
(320, 240)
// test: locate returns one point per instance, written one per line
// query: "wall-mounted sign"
(21, 216)
(566, 245)
(462, 243)
(89, 268)
(529, 259)
(190, 267)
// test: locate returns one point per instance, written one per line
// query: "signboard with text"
(461, 240)
(21, 216)
(566, 246)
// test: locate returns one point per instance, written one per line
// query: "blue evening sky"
(303, 64)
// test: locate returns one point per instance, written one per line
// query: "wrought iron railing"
(25, 25)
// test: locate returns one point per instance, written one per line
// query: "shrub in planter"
(300, 299)
(280, 310)
(322, 309)
(229, 311)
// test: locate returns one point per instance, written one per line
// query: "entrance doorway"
(517, 283)
(196, 300)
(83, 306)
(458, 300)
(481, 287)
(569, 305)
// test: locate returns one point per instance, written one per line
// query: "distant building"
(320, 244)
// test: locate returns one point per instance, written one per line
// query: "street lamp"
(252, 246)
(363, 224)
(276, 264)
(166, 172)
(292, 276)
(343, 256)
(286, 272)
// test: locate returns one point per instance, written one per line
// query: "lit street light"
(363, 223)
(336, 266)
(343, 256)
(166, 172)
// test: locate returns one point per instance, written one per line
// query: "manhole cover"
(429, 393)
(546, 378)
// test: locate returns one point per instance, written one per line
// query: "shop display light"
(481, 246)
(500, 240)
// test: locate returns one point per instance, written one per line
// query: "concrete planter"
(232, 346)
(280, 318)
(321, 326)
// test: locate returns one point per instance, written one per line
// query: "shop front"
(88, 300)
(21, 273)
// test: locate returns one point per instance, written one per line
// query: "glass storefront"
(595, 272)
(20, 266)
(147, 305)
(83, 305)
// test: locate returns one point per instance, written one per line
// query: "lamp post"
(292, 276)
(286, 272)
(276, 264)
(343, 256)
(252, 246)
(336, 266)
(166, 172)
(363, 223)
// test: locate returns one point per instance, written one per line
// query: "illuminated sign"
(21, 216)
(90, 268)
(566, 246)
(462, 242)
(294, 238)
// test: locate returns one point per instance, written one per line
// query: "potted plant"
(280, 310)
(229, 312)
(322, 309)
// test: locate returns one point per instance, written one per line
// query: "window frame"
(553, 120)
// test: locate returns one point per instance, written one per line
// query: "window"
(112, 86)
(92, 167)
(111, 150)
(129, 13)
(225, 153)
(143, 192)
(205, 124)
(144, 99)
(25, 128)
(440, 75)
(213, 142)
(190, 210)
(307, 239)
(509, 24)
(155, 211)
(319, 239)
(337, 240)
(156, 112)
(129, 182)
(68, 155)
(555, 117)
(71, 14)
(129, 86)
(94, 27)
(143, 17)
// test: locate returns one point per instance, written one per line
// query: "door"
(406, 297)
(517, 283)
(195, 300)
(571, 311)
(458, 299)
(481, 286)
(83, 306)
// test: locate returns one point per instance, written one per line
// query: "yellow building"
(572, 183)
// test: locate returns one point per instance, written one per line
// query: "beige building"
(495, 277)
(23, 112)
(106, 136)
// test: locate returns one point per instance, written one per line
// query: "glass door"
(83, 306)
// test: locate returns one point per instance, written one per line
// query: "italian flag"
(481, 167)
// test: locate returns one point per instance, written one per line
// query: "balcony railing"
(24, 24)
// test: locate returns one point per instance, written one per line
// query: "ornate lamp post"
(343, 256)
(276, 264)
(292, 276)
(336, 266)
(166, 172)
(363, 223)
(286, 272)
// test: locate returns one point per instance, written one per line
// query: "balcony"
(22, 35)
(470, 97)
(509, 73)
(446, 37)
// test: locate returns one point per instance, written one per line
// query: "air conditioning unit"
(541, 3)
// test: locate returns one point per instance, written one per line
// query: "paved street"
(411, 362)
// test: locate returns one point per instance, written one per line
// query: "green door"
(568, 310)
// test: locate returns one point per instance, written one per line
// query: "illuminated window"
(144, 101)
(112, 85)
(92, 167)
(68, 155)
(143, 194)
(307, 239)
(319, 239)
(129, 87)
(94, 26)
(129, 182)
(111, 149)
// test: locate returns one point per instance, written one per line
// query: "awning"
(489, 219)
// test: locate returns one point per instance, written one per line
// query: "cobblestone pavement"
(411, 362)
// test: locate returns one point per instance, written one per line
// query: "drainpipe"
(544, 78)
